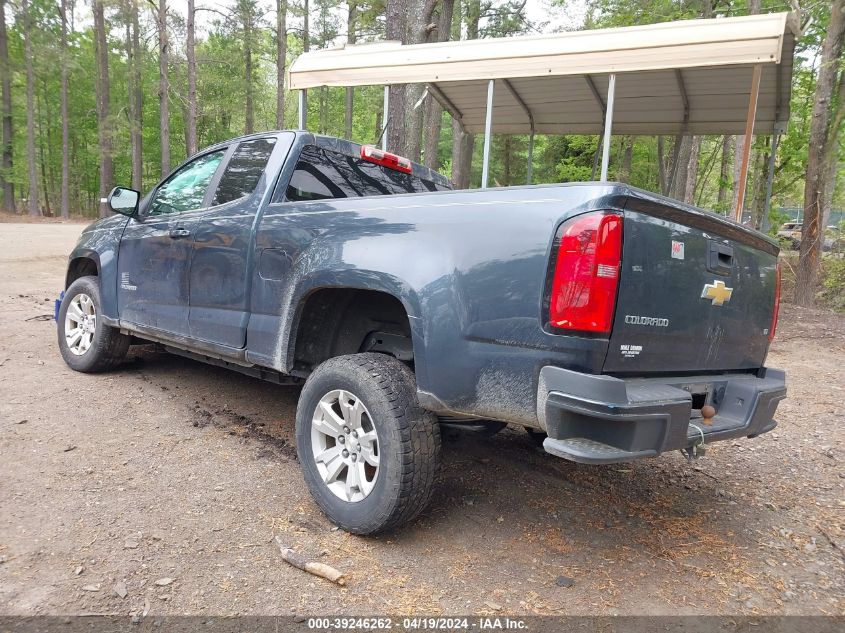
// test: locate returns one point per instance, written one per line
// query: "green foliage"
(833, 293)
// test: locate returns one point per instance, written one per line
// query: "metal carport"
(714, 76)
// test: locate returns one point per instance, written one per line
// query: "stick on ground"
(318, 569)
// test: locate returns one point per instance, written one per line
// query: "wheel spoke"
(333, 469)
(368, 447)
(75, 311)
(85, 343)
(328, 455)
(327, 421)
(353, 484)
(73, 337)
(365, 486)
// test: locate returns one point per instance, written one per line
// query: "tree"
(351, 18)
(434, 112)
(136, 99)
(32, 174)
(103, 98)
(190, 53)
(6, 115)
(64, 205)
(163, 86)
(281, 60)
(824, 129)
(463, 143)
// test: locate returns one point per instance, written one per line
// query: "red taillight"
(586, 274)
(385, 159)
(776, 308)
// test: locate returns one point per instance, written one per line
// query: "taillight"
(776, 308)
(586, 275)
(385, 159)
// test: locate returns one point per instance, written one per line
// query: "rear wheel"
(86, 343)
(368, 451)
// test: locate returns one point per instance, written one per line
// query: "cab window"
(244, 170)
(322, 174)
(185, 189)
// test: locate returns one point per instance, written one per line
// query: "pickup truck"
(612, 323)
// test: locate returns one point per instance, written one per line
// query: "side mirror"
(124, 201)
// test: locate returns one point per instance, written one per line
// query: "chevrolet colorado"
(612, 323)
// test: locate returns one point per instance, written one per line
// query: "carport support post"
(769, 181)
(386, 105)
(746, 145)
(608, 126)
(488, 128)
(302, 108)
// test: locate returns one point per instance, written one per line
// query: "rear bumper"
(602, 419)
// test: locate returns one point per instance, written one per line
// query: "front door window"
(185, 190)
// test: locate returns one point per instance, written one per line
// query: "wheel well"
(80, 267)
(338, 321)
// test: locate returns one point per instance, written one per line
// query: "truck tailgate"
(696, 292)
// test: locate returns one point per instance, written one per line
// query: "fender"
(100, 243)
(354, 279)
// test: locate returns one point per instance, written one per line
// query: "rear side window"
(244, 170)
(322, 174)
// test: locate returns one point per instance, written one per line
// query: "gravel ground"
(159, 488)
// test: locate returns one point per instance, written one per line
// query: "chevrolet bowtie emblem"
(718, 293)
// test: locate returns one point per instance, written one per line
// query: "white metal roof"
(687, 76)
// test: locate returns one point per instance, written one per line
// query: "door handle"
(177, 233)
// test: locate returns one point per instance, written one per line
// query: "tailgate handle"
(720, 258)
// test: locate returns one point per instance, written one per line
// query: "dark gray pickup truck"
(611, 323)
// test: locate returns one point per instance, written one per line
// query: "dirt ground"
(168, 479)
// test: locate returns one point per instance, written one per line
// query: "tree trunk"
(627, 159)
(408, 21)
(191, 54)
(680, 166)
(822, 135)
(351, 38)
(692, 170)
(163, 87)
(64, 204)
(306, 45)
(464, 144)
(722, 197)
(249, 125)
(281, 60)
(661, 166)
(103, 123)
(395, 115)
(6, 115)
(434, 113)
(136, 103)
(32, 173)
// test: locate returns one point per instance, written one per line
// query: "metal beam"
(303, 106)
(530, 115)
(595, 92)
(746, 146)
(447, 104)
(591, 84)
(488, 131)
(386, 117)
(608, 127)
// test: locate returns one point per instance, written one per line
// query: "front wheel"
(86, 343)
(368, 451)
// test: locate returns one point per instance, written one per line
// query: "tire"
(395, 432)
(106, 345)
